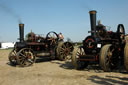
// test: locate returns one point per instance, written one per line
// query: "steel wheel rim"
(80, 52)
(12, 57)
(65, 50)
(26, 57)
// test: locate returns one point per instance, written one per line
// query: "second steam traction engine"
(26, 50)
(104, 47)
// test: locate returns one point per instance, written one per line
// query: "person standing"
(61, 37)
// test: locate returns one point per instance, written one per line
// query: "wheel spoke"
(30, 61)
(62, 49)
(61, 52)
(64, 46)
(22, 61)
(50, 39)
(70, 47)
(107, 62)
(78, 53)
(67, 45)
(22, 55)
(53, 35)
(50, 35)
(81, 52)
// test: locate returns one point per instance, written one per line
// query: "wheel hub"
(67, 51)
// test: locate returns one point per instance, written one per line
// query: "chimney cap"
(21, 24)
(92, 12)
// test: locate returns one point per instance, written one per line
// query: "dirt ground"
(46, 72)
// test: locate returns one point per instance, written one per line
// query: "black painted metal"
(93, 22)
(21, 31)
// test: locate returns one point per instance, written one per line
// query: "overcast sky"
(70, 17)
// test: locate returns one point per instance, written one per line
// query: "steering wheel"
(52, 38)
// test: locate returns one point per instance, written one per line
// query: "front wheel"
(25, 57)
(108, 58)
(77, 52)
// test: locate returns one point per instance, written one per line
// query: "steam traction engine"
(26, 50)
(104, 47)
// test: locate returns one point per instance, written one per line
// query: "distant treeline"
(77, 43)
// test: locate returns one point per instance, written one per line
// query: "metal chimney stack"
(21, 31)
(93, 22)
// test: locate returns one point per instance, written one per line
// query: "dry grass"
(55, 73)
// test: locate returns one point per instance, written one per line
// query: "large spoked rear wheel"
(12, 57)
(108, 59)
(126, 57)
(25, 57)
(77, 52)
(64, 50)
